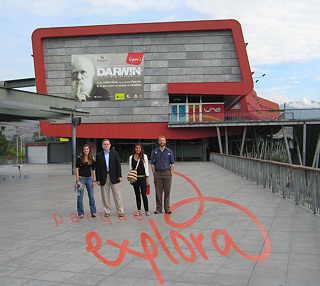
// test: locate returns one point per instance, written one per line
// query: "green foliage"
(2, 129)
(4, 143)
(36, 137)
(12, 151)
(280, 158)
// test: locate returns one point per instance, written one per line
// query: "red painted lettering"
(56, 220)
(102, 218)
(174, 234)
(197, 241)
(151, 254)
(124, 218)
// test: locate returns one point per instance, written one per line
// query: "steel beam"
(24, 105)
(287, 144)
(304, 144)
(243, 140)
(25, 82)
(226, 140)
(315, 161)
(219, 140)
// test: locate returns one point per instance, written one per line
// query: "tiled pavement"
(220, 226)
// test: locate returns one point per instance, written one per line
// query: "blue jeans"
(88, 183)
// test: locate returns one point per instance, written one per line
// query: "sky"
(283, 36)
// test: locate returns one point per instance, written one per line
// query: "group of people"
(105, 171)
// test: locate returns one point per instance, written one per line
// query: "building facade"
(144, 77)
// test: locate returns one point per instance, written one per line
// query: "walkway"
(220, 226)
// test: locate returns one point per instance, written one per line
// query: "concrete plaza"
(223, 230)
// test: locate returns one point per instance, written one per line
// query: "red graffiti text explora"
(151, 252)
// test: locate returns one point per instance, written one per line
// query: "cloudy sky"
(283, 36)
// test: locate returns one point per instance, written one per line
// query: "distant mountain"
(303, 104)
(25, 129)
(304, 109)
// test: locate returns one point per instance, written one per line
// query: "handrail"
(5, 160)
(241, 115)
(298, 184)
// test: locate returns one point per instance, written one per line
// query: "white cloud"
(276, 94)
(304, 103)
(281, 95)
(85, 8)
(277, 31)
(134, 5)
(309, 104)
(282, 35)
(44, 8)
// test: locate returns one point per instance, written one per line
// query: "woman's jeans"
(88, 183)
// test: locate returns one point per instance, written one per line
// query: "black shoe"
(156, 212)
(93, 215)
(168, 212)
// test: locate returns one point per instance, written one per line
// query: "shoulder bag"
(133, 175)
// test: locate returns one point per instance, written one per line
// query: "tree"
(39, 137)
(3, 142)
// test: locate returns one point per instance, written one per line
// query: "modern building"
(139, 81)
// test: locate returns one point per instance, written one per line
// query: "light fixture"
(257, 77)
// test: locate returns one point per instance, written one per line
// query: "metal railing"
(238, 115)
(5, 160)
(298, 184)
(310, 113)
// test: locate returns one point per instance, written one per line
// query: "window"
(177, 99)
(196, 108)
(212, 98)
(193, 99)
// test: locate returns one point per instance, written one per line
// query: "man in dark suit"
(108, 174)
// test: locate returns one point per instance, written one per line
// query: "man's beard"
(79, 87)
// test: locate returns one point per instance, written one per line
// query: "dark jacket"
(114, 167)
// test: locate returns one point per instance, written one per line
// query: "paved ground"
(223, 230)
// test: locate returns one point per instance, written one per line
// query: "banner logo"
(119, 96)
(134, 58)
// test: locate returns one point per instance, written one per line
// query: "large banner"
(107, 77)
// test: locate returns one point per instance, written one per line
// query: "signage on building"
(101, 77)
(213, 112)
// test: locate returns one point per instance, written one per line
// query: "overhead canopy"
(17, 105)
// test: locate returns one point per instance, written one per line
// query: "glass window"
(193, 99)
(174, 113)
(212, 98)
(237, 106)
(182, 113)
(177, 99)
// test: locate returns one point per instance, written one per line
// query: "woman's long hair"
(82, 155)
(141, 155)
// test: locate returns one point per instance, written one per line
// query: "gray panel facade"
(197, 56)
